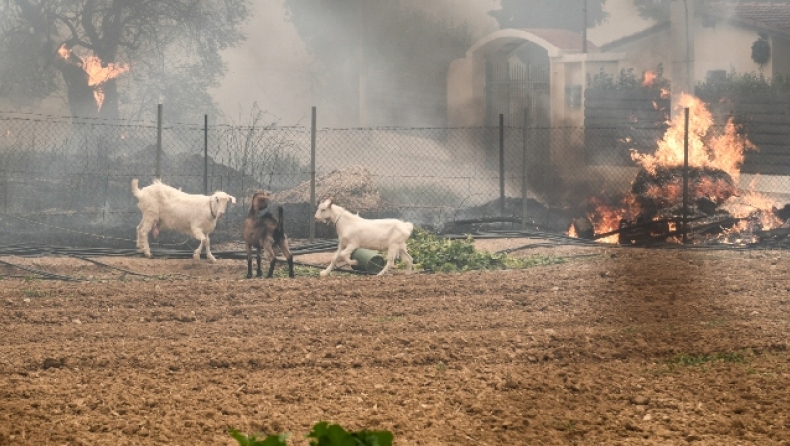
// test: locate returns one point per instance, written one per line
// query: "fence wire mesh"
(67, 182)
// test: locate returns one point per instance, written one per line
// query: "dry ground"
(614, 346)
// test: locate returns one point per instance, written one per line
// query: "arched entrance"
(517, 84)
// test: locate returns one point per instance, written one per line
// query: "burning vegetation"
(716, 210)
(96, 73)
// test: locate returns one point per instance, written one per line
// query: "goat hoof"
(249, 275)
(323, 273)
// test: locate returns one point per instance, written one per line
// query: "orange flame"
(724, 152)
(648, 79)
(97, 74)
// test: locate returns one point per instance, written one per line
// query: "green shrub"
(252, 440)
(433, 253)
(745, 83)
(323, 434)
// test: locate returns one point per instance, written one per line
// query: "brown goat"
(264, 232)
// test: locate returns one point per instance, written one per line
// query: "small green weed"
(252, 440)
(715, 323)
(29, 292)
(686, 359)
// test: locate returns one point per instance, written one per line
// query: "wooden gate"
(512, 87)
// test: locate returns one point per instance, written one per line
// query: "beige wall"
(725, 47)
(780, 60)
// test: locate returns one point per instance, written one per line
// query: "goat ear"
(232, 199)
(331, 201)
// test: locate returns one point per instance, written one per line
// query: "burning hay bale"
(708, 188)
(352, 187)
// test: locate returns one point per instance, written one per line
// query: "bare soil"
(615, 346)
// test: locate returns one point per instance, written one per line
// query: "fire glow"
(97, 74)
(655, 203)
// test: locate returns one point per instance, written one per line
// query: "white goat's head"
(219, 203)
(324, 213)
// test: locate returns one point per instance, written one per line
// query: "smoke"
(623, 21)
(274, 69)
(271, 68)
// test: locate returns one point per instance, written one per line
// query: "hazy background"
(274, 69)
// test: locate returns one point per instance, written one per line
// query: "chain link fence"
(67, 182)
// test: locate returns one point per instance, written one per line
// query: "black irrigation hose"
(43, 274)
(96, 262)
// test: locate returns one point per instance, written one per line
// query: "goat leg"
(259, 271)
(249, 261)
(288, 256)
(272, 258)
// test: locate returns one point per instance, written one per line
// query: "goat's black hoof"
(249, 276)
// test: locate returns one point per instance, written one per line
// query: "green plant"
(252, 440)
(35, 293)
(627, 80)
(695, 360)
(325, 434)
(761, 50)
(741, 83)
(433, 253)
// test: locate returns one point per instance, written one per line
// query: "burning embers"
(654, 208)
(97, 72)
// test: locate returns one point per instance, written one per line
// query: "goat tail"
(135, 188)
(280, 224)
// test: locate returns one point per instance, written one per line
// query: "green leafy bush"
(252, 440)
(323, 434)
(744, 83)
(627, 80)
(433, 253)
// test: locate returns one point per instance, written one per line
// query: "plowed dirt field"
(614, 346)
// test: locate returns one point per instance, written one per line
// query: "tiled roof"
(773, 16)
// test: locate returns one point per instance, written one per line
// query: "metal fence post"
(685, 175)
(524, 165)
(312, 174)
(205, 154)
(502, 164)
(159, 142)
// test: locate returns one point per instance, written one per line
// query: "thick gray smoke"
(274, 69)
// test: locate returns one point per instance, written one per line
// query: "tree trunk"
(82, 103)
(109, 108)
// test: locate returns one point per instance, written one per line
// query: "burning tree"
(89, 43)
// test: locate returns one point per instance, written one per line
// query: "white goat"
(355, 232)
(165, 207)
